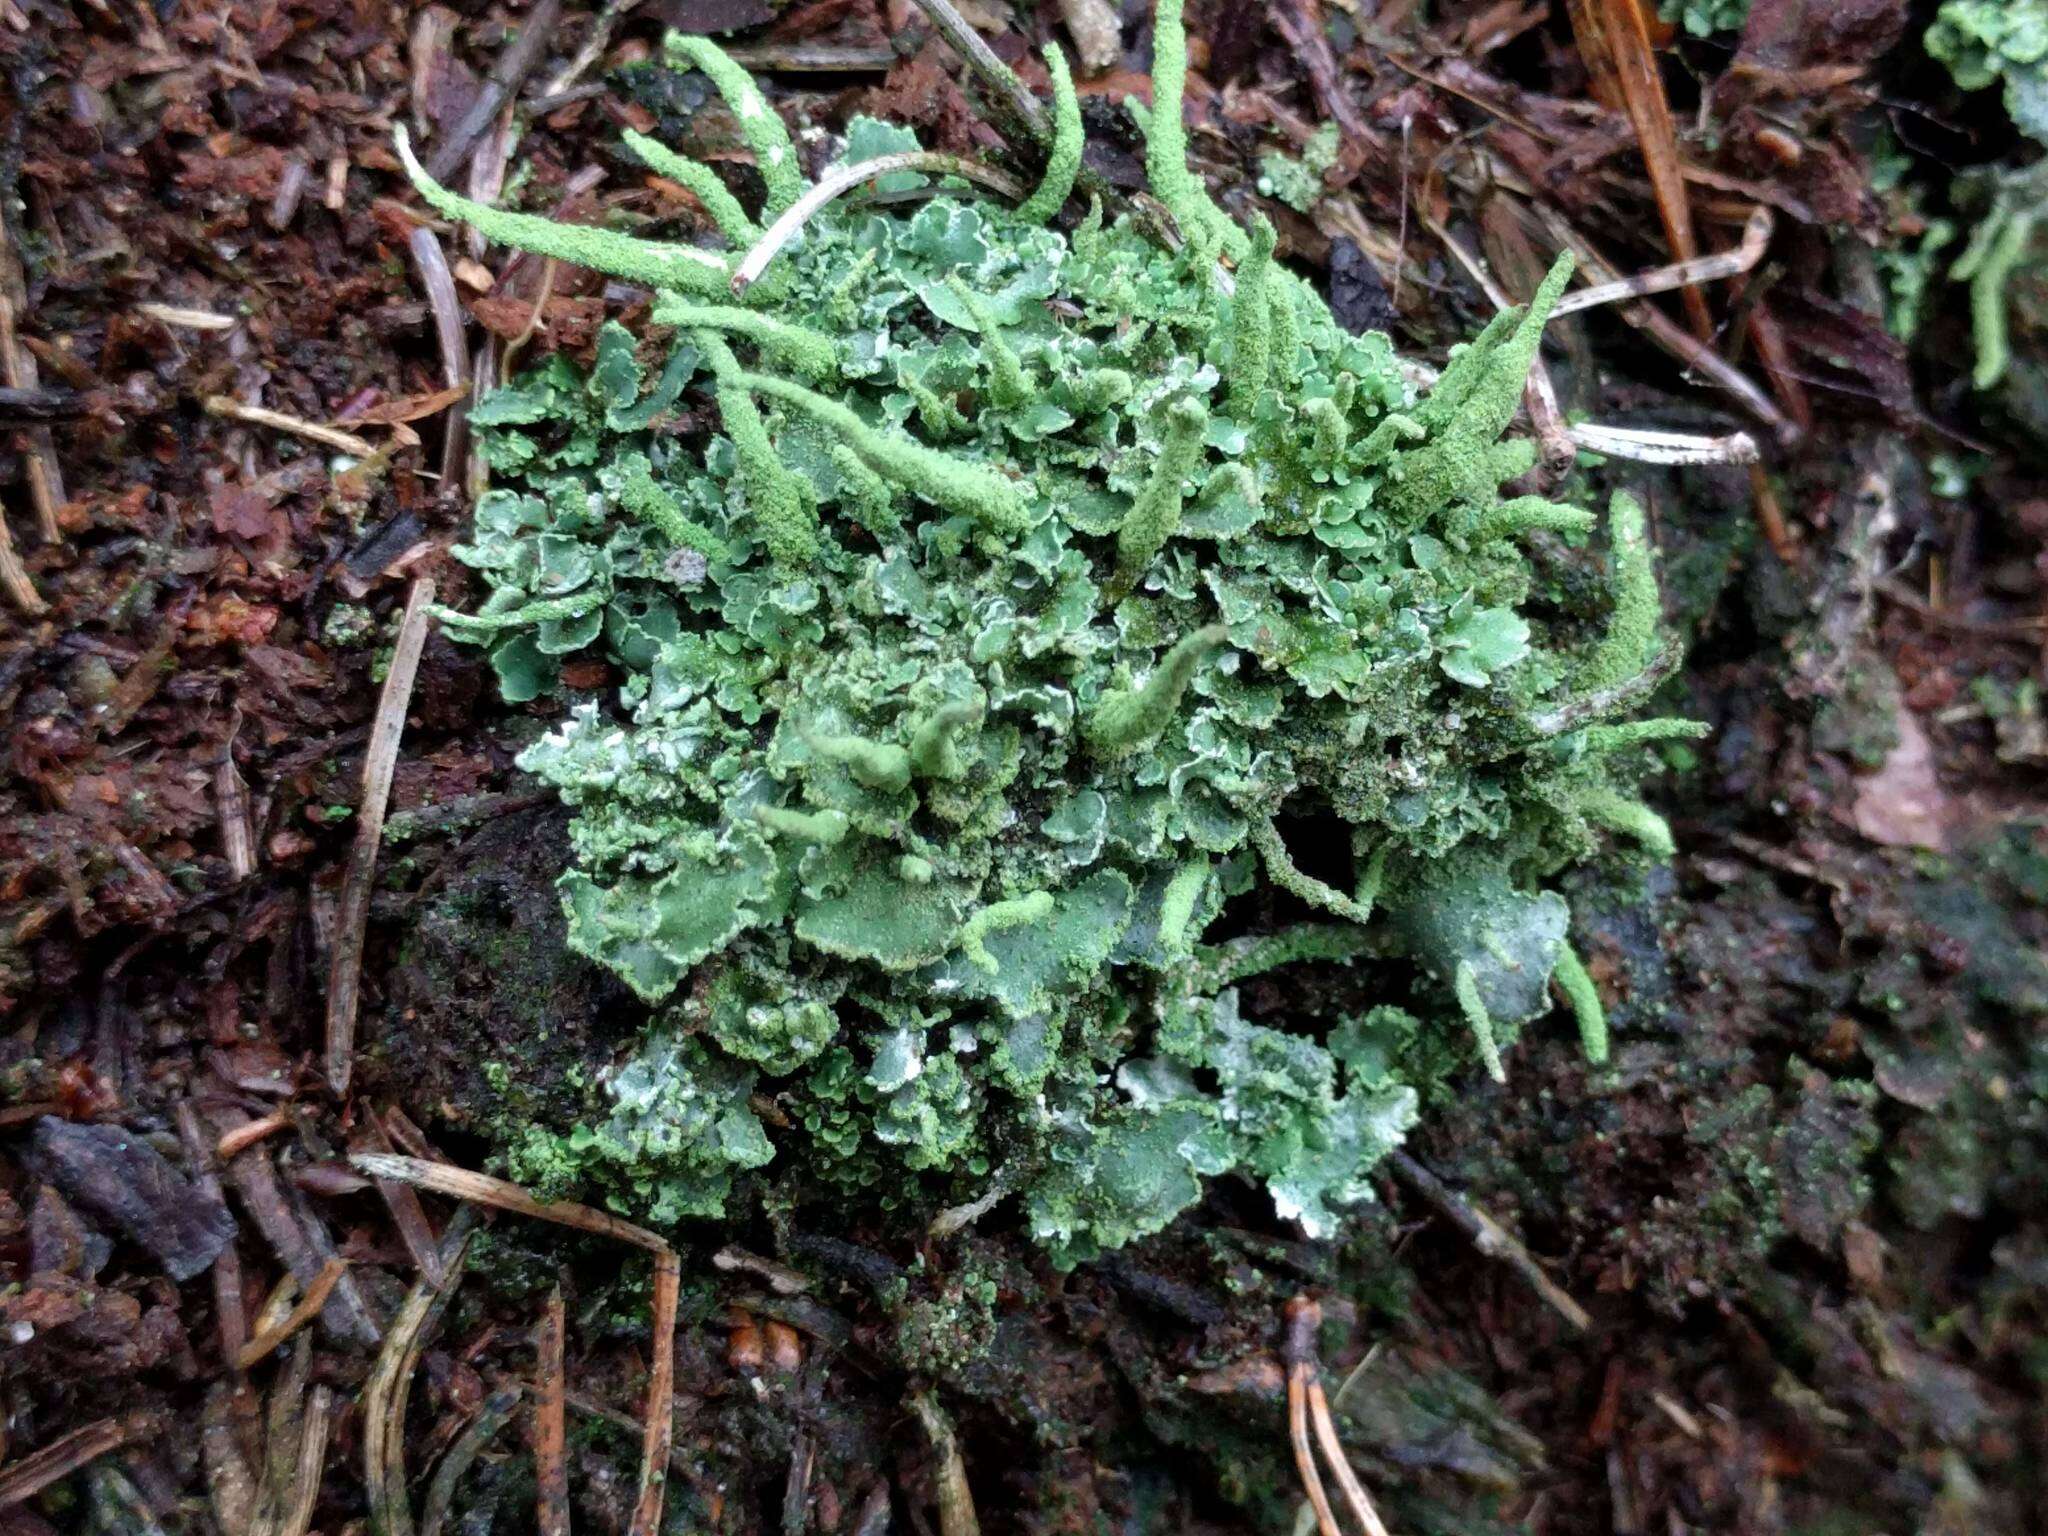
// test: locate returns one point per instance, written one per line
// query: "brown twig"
(514, 65)
(1488, 1236)
(63, 1456)
(379, 762)
(551, 1420)
(659, 1434)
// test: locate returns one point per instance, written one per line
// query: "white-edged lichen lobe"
(1037, 587)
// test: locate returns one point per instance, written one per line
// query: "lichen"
(1071, 599)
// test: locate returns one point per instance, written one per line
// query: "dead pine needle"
(304, 1312)
(490, 1418)
(501, 1195)
(389, 1388)
(379, 763)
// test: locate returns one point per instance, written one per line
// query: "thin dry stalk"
(659, 1433)
(1014, 97)
(1671, 337)
(307, 1308)
(261, 416)
(813, 59)
(1300, 1318)
(297, 1517)
(180, 318)
(593, 47)
(379, 762)
(835, 183)
(502, 1195)
(1488, 1236)
(439, 283)
(1756, 235)
(1643, 445)
(1362, 1508)
(62, 1457)
(551, 1421)
(284, 1424)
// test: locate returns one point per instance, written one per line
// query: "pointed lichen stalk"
(1127, 719)
(682, 268)
(1156, 512)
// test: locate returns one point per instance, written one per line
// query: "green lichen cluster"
(1994, 42)
(1035, 636)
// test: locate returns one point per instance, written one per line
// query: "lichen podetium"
(981, 670)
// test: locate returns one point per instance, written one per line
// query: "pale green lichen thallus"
(1020, 599)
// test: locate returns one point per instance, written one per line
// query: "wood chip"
(63, 1456)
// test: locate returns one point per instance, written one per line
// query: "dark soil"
(1806, 1206)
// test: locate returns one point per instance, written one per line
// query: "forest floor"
(1783, 1264)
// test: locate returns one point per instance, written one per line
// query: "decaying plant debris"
(1774, 1265)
